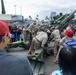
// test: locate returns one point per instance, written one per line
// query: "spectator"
(19, 30)
(14, 33)
(67, 61)
(21, 36)
(68, 40)
(11, 64)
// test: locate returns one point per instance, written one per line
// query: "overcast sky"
(41, 7)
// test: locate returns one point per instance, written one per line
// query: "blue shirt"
(70, 42)
(12, 64)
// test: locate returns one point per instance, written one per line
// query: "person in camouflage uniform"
(32, 29)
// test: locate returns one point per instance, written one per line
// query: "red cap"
(4, 29)
(68, 32)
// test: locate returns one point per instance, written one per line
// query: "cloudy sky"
(41, 7)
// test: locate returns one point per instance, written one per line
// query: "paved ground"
(49, 64)
(49, 61)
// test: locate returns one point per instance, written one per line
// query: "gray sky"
(41, 7)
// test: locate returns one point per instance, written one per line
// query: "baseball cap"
(4, 29)
(68, 32)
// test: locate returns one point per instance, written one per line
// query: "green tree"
(37, 17)
(30, 17)
(46, 18)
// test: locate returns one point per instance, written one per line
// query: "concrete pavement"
(48, 61)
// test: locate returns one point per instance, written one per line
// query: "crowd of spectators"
(16, 32)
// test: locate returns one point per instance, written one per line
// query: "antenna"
(3, 8)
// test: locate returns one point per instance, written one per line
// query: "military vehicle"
(36, 59)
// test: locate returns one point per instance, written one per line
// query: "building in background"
(52, 15)
(9, 18)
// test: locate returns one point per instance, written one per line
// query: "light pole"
(21, 10)
(15, 9)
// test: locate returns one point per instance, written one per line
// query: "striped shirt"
(71, 42)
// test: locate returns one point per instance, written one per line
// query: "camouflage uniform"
(60, 43)
(56, 35)
(30, 30)
(40, 39)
